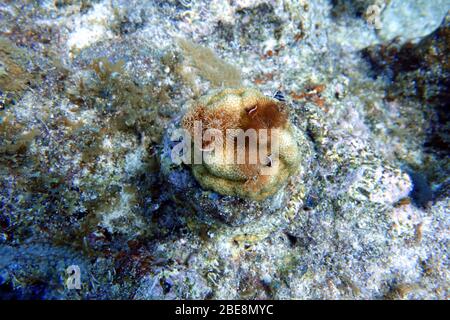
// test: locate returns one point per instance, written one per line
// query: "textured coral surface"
(256, 176)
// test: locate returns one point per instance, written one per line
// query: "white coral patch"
(90, 27)
(121, 217)
(393, 186)
(133, 161)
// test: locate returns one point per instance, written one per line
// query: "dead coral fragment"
(209, 66)
(244, 108)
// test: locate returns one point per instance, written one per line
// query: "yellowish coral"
(244, 108)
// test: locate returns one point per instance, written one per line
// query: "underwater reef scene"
(353, 204)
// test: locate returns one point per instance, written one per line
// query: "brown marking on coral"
(299, 36)
(318, 101)
(401, 291)
(313, 93)
(402, 202)
(419, 233)
(317, 89)
(296, 96)
(210, 119)
(265, 115)
(255, 183)
(263, 78)
(271, 53)
(277, 50)
(251, 171)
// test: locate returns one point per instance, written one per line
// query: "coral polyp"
(241, 114)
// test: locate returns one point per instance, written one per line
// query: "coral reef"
(420, 72)
(91, 93)
(229, 110)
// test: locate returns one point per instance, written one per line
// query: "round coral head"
(244, 141)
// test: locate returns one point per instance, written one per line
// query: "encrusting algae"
(248, 109)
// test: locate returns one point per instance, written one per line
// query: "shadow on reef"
(421, 71)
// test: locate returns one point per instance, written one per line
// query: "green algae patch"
(208, 65)
(129, 106)
(14, 140)
(14, 77)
